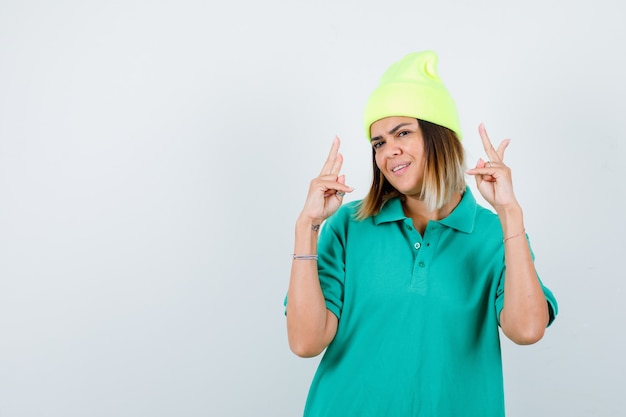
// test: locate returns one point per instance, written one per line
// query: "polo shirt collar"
(391, 211)
(461, 218)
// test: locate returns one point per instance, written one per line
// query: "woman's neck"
(416, 209)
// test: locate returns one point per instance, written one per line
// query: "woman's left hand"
(493, 177)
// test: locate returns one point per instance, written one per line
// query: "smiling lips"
(400, 167)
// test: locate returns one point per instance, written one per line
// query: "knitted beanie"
(411, 87)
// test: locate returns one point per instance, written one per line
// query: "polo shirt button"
(417, 245)
(422, 264)
(408, 227)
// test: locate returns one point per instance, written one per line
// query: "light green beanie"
(411, 87)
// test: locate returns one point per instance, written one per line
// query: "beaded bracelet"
(514, 236)
(305, 257)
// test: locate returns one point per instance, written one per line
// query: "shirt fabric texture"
(418, 331)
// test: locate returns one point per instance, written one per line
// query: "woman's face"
(399, 148)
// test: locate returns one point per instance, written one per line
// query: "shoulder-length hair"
(444, 172)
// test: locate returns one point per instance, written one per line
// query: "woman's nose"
(392, 149)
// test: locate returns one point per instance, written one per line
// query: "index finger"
(489, 149)
(334, 160)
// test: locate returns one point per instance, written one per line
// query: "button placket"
(413, 237)
(424, 253)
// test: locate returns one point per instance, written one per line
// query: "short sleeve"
(331, 264)
(331, 261)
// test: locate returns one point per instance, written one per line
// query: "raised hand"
(327, 190)
(493, 177)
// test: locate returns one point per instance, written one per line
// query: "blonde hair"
(443, 172)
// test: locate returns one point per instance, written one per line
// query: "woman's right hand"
(327, 190)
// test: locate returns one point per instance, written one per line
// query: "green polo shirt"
(418, 315)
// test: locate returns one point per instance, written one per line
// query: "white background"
(154, 156)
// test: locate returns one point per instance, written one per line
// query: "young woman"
(406, 289)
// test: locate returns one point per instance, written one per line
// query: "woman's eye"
(377, 145)
(403, 133)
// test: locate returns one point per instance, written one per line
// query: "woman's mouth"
(399, 168)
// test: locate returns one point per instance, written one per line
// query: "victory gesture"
(327, 190)
(493, 177)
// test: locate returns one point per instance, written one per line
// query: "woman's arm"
(525, 314)
(310, 325)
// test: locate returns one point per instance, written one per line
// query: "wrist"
(307, 232)
(305, 223)
(512, 220)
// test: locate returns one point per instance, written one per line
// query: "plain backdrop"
(154, 156)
